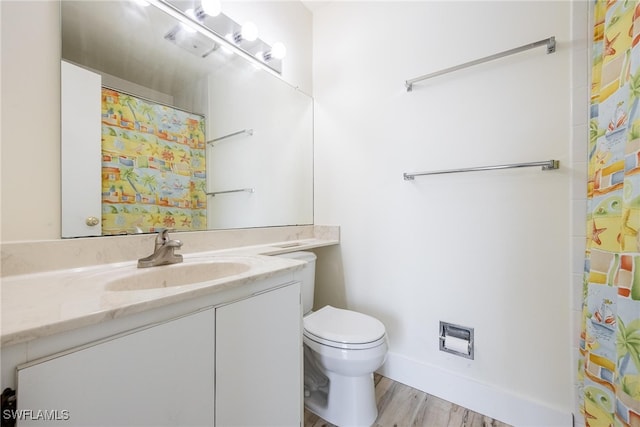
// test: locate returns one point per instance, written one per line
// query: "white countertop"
(42, 304)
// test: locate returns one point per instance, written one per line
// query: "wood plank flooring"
(402, 406)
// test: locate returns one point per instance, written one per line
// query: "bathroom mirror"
(258, 130)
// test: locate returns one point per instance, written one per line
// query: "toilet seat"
(344, 329)
(341, 345)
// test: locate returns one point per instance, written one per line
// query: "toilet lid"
(343, 326)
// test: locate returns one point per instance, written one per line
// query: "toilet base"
(350, 401)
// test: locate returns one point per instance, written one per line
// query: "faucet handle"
(162, 238)
(162, 235)
(173, 243)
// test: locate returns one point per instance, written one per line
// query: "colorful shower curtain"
(609, 370)
(153, 167)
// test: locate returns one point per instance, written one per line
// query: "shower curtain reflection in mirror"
(153, 166)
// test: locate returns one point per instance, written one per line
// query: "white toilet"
(342, 349)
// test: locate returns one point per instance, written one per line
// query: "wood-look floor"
(402, 406)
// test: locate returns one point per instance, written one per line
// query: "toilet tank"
(308, 277)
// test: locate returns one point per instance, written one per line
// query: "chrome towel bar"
(546, 165)
(247, 131)
(239, 190)
(550, 43)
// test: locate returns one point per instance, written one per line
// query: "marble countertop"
(45, 303)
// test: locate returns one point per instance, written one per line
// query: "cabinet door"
(81, 145)
(158, 376)
(259, 360)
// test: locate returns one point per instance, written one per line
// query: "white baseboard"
(476, 396)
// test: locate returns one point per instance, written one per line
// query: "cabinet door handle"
(92, 221)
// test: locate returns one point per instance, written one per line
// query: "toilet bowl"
(342, 349)
(347, 358)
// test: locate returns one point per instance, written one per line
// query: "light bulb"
(278, 50)
(249, 31)
(211, 7)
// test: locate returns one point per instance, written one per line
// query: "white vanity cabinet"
(219, 363)
(259, 360)
(162, 375)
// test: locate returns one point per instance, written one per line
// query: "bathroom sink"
(166, 276)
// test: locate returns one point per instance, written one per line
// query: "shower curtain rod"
(546, 165)
(549, 42)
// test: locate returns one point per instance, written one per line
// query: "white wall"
(30, 120)
(489, 250)
(30, 104)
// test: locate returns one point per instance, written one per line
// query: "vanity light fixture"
(211, 7)
(191, 41)
(278, 51)
(248, 32)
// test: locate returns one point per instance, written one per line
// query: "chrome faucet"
(163, 252)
